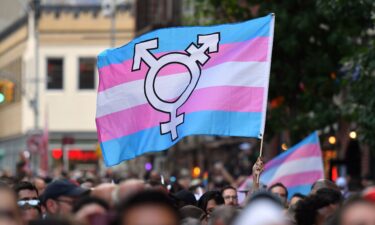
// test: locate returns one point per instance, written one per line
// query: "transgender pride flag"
(297, 168)
(175, 82)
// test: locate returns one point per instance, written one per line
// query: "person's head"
(190, 211)
(184, 178)
(210, 200)
(295, 198)
(40, 185)
(333, 197)
(129, 187)
(28, 201)
(59, 197)
(280, 190)
(263, 208)
(229, 194)
(89, 209)
(223, 215)
(355, 211)
(9, 211)
(323, 183)
(317, 208)
(106, 191)
(185, 197)
(148, 207)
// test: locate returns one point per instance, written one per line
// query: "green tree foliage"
(356, 21)
(313, 42)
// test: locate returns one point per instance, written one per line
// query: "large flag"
(175, 82)
(297, 168)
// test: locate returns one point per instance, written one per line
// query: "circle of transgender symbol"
(194, 57)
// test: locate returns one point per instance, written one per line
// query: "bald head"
(130, 187)
(104, 191)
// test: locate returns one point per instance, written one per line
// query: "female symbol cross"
(193, 59)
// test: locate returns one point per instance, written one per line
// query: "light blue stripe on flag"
(203, 122)
(182, 37)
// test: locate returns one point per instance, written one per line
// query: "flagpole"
(260, 158)
(269, 56)
(261, 148)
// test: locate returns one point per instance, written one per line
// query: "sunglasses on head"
(31, 202)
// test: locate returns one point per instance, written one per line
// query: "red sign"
(76, 155)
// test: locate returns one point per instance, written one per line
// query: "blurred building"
(59, 43)
(153, 14)
(10, 13)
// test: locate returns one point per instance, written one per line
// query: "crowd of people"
(68, 201)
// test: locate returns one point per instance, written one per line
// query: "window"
(55, 73)
(87, 73)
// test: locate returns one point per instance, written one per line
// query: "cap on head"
(62, 188)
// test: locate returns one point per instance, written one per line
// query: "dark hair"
(87, 201)
(148, 197)
(226, 188)
(306, 209)
(25, 185)
(279, 185)
(324, 183)
(298, 195)
(330, 195)
(184, 197)
(210, 195)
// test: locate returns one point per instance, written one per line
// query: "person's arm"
(257, 170)
(227, 176)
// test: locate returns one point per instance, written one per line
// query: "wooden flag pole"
(261, 148)
(260, 158)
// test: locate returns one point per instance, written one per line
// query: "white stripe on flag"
(246, 74)
(269, 57)
(297, 166)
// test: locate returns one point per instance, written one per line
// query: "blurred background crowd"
(157, 200)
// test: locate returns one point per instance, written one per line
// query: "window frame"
(78, 73)
(63, 74)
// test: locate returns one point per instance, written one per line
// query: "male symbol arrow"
(208, 44)
(142, 52)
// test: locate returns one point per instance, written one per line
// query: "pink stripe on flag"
(253, 50)
(297, 179)
(225, 98)
(308, 150)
